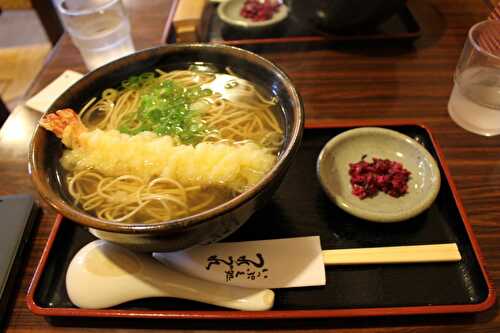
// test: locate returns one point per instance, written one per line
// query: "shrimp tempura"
(148, 155)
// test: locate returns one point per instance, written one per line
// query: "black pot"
(344, 16)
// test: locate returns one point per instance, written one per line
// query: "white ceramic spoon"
(103, 275)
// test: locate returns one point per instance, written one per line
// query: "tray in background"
(300, 208)
(402, 26)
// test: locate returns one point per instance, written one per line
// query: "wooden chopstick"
(393, 255)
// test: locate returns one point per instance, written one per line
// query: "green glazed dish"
(351, 146)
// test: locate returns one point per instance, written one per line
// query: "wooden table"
(378, 81)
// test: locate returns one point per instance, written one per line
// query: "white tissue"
(44, 99)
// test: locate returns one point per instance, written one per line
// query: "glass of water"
(99, 28)
(475, 100)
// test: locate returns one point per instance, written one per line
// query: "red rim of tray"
(283, 314)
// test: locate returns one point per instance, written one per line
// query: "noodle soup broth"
(171, 143)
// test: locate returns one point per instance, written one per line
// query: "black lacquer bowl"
(208, 226)
(346, 16)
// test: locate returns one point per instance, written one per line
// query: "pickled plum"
(256, 10)
(367, 179)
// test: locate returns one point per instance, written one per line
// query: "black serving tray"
(401, 26)
(301, 208)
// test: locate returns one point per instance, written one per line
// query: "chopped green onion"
(165, 108)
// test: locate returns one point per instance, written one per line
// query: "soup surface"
(165, 145)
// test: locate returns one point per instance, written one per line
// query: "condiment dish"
(229, 12)
(367, 143)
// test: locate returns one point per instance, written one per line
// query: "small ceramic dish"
(229, 13)
(369, 142)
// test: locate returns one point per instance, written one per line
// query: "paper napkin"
(44, 99)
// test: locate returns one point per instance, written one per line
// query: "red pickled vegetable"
(259, 11)
(381, 175)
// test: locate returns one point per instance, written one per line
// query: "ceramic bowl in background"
(346, 16)
(369, 142)
(229, 12)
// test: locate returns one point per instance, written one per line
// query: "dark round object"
(208, 226)
(345, 16)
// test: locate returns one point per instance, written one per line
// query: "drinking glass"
(475, 100)
(99, 28)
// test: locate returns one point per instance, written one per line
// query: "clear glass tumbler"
(99, 28)
(475, 100)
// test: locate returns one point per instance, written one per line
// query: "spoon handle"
(170, 283)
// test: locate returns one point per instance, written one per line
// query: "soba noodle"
(246, 128)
